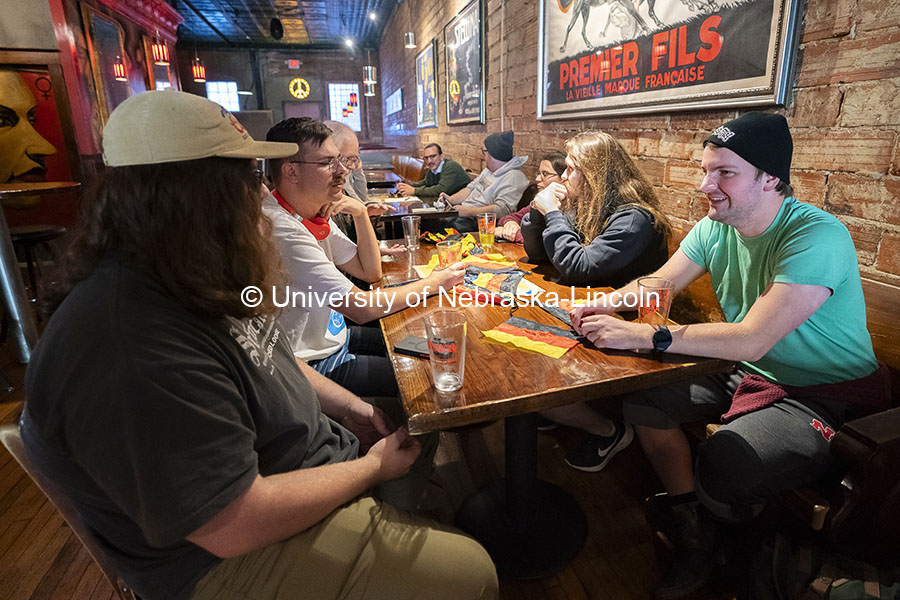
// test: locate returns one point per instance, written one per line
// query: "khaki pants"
(365, 550)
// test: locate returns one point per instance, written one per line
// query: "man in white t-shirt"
(308, 190)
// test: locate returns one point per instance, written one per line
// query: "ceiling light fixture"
(198, 70)
(410, 36)
(369, 71)
(373, 16)
(160, 51)
(348, 42)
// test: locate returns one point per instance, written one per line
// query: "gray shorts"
(752, 457)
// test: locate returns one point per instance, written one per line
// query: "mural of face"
(22, 148)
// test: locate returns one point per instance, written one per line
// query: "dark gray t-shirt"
(153, 420)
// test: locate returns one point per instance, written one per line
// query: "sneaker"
(596, 450)
(545, 424)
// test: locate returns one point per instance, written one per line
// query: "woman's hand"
(550, 198)
(508, 231)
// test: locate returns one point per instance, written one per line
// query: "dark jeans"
(370, 373)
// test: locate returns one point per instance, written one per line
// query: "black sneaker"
(595, 451)
(545, 424)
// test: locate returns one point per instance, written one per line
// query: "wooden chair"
(12, 440)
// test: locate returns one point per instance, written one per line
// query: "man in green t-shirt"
(442, 176)
(787, 278)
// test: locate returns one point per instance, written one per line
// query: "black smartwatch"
(662, 338)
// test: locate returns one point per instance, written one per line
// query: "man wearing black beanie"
(497, 189)
(786, 276)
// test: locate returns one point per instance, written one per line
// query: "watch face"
(662, 339)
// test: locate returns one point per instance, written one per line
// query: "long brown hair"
(611, 181)
(195, 227)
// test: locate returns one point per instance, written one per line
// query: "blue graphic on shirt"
(336, 323)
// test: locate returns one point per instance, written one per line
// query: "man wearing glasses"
(317, 255)
(355, 184)
(443, 176)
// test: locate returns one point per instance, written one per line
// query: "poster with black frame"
(426, 86)
(603, 57)
(465, 66)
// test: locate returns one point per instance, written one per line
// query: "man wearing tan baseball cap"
(164, 401)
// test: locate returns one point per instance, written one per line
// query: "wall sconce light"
(368, 89)
(160, 52)
(119, 70)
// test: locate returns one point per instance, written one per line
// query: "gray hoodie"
(503, 187)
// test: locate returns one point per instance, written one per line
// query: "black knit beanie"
(762, 139)
(500, 145)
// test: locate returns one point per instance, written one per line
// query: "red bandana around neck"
(318, 226)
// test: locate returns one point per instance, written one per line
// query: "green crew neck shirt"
(804, 245)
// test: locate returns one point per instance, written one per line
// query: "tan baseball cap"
(168, 126)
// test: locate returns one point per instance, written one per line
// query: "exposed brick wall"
(844, 113)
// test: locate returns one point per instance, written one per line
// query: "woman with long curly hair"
(602, 225)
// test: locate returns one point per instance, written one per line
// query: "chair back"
(12, 440)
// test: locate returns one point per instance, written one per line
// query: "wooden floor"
(41, 559)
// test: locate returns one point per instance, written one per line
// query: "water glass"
(411, 231)
(446, 332)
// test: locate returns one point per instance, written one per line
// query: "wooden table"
(382, 178)
(17, 304)
(393, 228)
(530, 527)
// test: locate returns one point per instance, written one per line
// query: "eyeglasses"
(547, 174)
(333, 164)
(258, 173)
(352, 162)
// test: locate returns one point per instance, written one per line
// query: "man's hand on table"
(405, 189)
(366, 422)
(596, 307)
(394, 454)
(393, 250)
(606, 331)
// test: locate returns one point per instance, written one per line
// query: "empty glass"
(446, 332)
(411, 231)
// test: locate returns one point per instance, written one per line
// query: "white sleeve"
(342, 248)
(309, 267)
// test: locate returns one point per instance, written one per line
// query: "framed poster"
(426, 86)
(105, 40)
(607, 58)
(465, 66)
